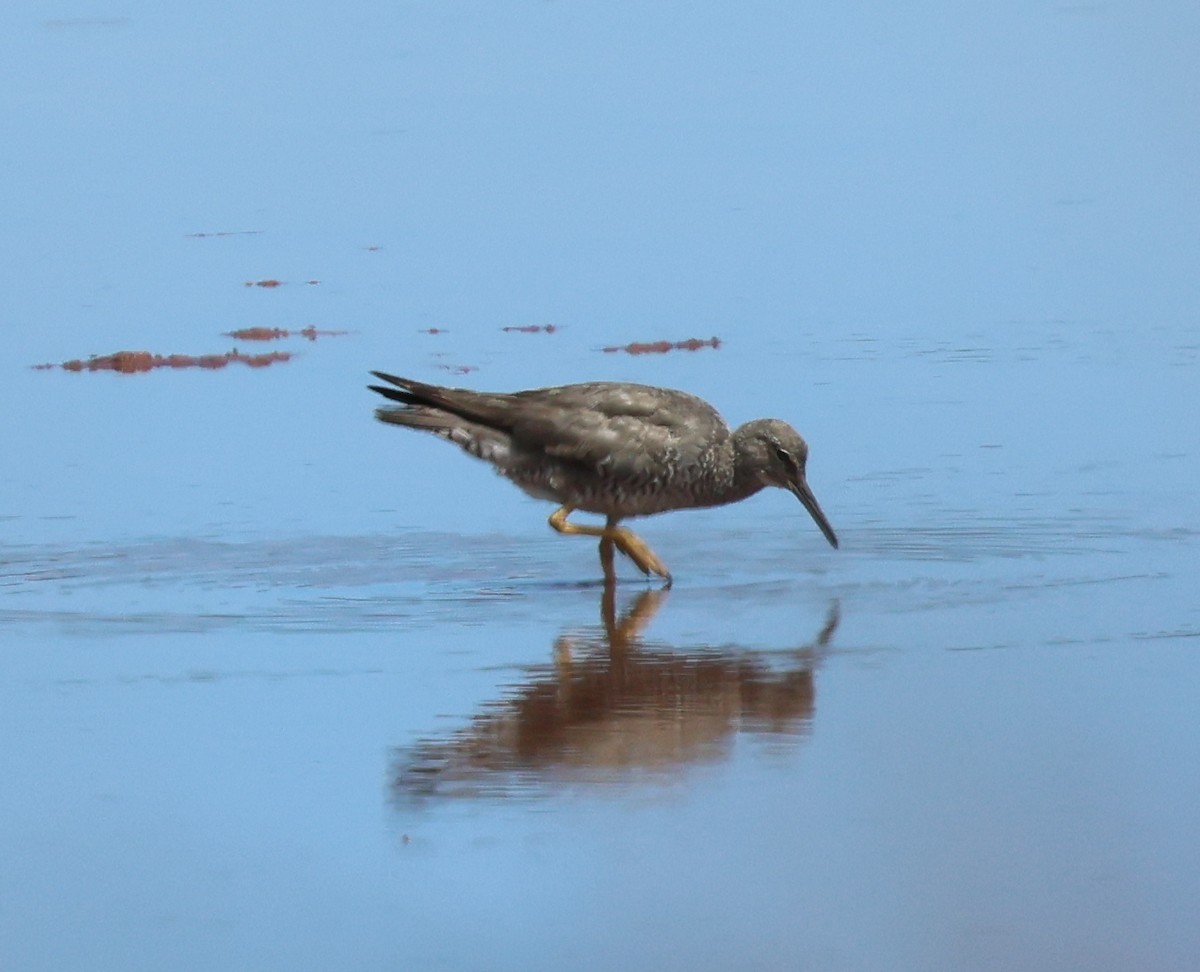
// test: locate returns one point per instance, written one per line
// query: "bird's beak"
(805, 495)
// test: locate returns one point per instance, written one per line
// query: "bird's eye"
(785, 457)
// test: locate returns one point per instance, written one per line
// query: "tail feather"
(395, 395)
(445, 412)
(476, 407)
(419, 411)
(418, 418)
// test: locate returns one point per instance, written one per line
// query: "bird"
(616, 449)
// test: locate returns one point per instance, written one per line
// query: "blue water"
(286, 688)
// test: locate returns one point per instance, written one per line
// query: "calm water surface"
(284, 688)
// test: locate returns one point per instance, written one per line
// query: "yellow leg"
(631, 545)
(606, 560)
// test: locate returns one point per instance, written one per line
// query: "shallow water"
(286, 688)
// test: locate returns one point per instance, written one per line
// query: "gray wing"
(620, 427)
(617, 426)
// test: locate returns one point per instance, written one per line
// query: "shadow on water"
(614, 708)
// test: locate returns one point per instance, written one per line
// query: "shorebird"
(612, 448)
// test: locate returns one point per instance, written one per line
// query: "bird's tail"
(441, 411)
(420, 410)
(413, 418)
(404, 391)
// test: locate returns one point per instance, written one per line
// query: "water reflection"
(612, 707)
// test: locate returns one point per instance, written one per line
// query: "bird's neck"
(744, 479)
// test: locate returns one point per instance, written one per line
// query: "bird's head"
(778, 455)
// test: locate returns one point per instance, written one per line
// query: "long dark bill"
(805, 496)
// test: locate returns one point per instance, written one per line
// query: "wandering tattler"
(612, 448)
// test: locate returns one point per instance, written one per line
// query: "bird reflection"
(614, 708)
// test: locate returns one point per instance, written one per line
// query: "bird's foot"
(635, 548)
(611, 535)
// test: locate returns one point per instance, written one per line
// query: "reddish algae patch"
(258, 334)
(133, 362)
(278, 333)
(530, 328)
(662, 347)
